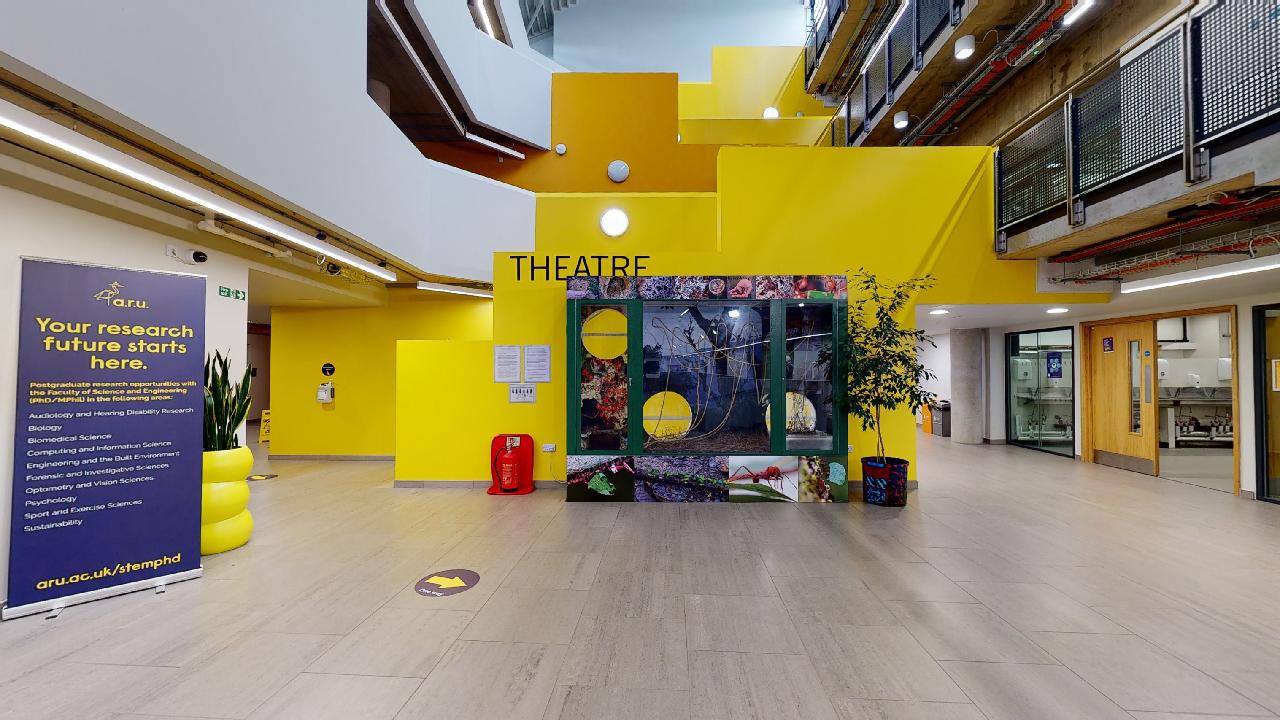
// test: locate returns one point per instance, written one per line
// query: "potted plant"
(884, 373)
(225, 522)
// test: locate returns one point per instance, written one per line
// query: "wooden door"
(1124, 397)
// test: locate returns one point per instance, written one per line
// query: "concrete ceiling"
(1224, 291)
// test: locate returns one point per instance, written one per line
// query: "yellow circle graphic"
(604, 333)
(667, 415)
(802, 417)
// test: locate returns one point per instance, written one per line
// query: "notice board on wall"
(108, 433)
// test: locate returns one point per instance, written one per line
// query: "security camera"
(188, 256)
(333, 269)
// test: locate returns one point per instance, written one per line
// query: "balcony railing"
(1209, 77)
(825, 16)
(918, 24)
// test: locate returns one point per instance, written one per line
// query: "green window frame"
(634, 310)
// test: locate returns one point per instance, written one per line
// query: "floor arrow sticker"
(447, 582)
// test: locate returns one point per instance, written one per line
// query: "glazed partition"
(1040, 389)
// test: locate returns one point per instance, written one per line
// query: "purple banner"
(107, 440)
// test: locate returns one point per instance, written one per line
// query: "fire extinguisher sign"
(444, 583)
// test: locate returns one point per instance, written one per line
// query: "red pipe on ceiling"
(1152, 265)
(994, 71)
(1234, 213)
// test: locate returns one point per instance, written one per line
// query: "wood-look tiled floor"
(1016, 586)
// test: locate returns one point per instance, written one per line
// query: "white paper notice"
(537, 363)
(506, 363)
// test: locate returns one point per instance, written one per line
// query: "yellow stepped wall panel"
(896, 212)
(601, 117)
(361, 344)
(746, 80)
(801, 131)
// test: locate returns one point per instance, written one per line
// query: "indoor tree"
(882, 355)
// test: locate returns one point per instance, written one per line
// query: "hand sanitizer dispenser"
(324, 394)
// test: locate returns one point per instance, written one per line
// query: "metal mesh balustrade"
(1132, 118)
(875, 83)
(934, 15)
(1034, 171)
(857, 109)
(1239, 43)
(902, 46)
(840, 128)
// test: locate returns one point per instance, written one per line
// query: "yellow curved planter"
(225, 522)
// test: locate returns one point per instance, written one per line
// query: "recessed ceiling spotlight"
(614, 222)
(901, 119)
(771, 113)
(1080, 8)
(940, 311)
(965, 47)
(1058, 311)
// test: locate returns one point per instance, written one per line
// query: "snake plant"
(225, 403)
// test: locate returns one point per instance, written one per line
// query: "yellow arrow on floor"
(445, 582)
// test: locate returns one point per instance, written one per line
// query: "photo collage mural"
(706, 373)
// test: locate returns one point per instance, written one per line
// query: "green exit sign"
(227, 292)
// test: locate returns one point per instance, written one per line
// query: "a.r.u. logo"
(111, 296)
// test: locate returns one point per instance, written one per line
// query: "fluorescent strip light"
(902, 10)
(1080, 8)
(484, 18)
(1194, 276)
(102, 156)
(454, 289)
(940, 311)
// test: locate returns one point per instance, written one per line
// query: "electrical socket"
(173, 252)
(548, 447)
(850, 448)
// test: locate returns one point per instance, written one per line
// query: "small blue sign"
(1053, 364)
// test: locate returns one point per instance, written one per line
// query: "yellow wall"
(361, 344)
(782, 131)
(746, 80)
(600, 118)
(444, 410)
(897, 212)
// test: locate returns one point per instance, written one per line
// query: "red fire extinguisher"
(511, 462)
(508, 469)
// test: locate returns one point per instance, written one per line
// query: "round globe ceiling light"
(771, 113)
(619, 171)
(614, 222)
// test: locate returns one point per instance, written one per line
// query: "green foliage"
(225, 403)
(757, 492)
(600, 484)
(882, 356)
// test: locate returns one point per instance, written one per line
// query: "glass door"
(1266, 338)
(1040, 389)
